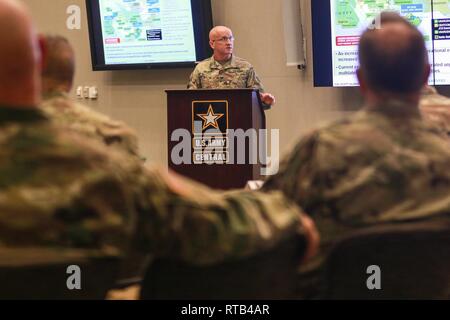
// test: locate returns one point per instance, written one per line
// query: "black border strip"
(322, 49)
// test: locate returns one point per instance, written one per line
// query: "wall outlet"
(79, 92)
(86, 92)
(93, 93)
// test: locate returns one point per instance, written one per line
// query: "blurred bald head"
(393, 58)
(19, 55)
(59, 69)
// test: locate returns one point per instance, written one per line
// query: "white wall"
(138, 97)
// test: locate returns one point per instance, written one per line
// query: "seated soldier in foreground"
(381, 165)
(57, 81)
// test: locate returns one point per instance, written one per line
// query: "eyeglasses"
(225, 39)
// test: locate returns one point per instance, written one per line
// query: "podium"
(213, 134)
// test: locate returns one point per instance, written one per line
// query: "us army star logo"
(210, 119)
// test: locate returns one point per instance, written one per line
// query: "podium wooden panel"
(244, 112)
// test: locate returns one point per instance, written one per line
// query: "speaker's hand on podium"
(267, 98)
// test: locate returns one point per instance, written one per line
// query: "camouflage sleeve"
(202, 226)
(194, 80)
(253, 80)
(95, 198)
(295, 177)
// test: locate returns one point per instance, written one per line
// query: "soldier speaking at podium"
(226, 71)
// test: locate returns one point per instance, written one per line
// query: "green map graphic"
(354, 13)
(351, 17)
(129, 20)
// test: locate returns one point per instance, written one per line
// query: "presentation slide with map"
(147, 31)
(441, 41)
(349, 18)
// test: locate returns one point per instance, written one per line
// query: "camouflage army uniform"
(436, 108)
(60, 190)
(61, 109)
(383, 164)
(234, 74)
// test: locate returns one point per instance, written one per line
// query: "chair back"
(37, 273)
(268, 275)
(413, 261)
